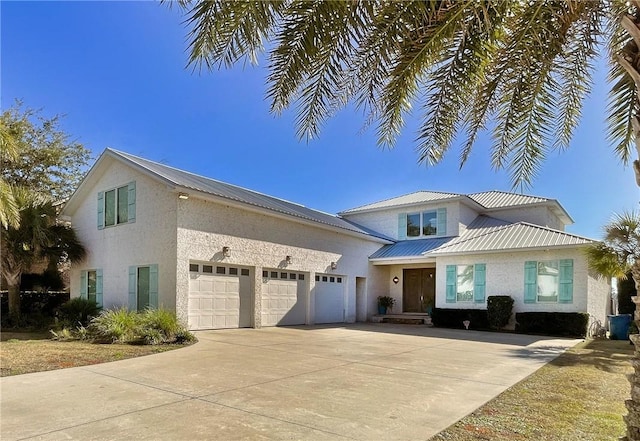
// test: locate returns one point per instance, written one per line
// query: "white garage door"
(283, 298)
(329, 299)
(219, 297)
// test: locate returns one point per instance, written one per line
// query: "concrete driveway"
(363, 382)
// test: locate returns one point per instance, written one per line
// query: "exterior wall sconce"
(289, 260)
(396, 280)
(334, 265)
(226, 251)
(184, 196)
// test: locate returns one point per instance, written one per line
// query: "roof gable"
(418, 197)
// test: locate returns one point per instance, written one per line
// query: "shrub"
(35, 302)
(116, 326)
(386, 301)
(152, 326)
(453, 318)
(562, 324)
(78, 310)
(499, 309)
(161, 326)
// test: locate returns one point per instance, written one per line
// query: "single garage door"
(219, 297)
(283, 298)
(329, 299)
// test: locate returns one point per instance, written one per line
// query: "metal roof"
(407, 199)
(501, 199)
(410, 248)
(487, 235)
(484, 234)
(187, 180)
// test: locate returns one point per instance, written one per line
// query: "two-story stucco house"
(223, 256)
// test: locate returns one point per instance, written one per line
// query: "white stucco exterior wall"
(259, 240)
(538, 215)
(505, 276)
(151, 239)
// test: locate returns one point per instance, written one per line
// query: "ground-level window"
(143, 287)
(549, 281)
(466, 283)
(91, 285)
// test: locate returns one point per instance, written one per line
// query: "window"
(233, 271)
(274, 274)
(221, 270)
(548, 281)
(245, 272)
(423, 224)
(117, 206)
(143, 287)
(300, 276)
(292, 276)
(194, 267)
(465, 283)
(207, 269)
(91, 285)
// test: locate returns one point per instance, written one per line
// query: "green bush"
(77, 310)
(499, 309)
(453, 318)
(152, 326)
(562, 324)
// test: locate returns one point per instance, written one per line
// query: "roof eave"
(509, 250)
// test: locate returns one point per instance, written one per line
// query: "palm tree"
(9, 151)
(38, 236)
(519, 69)
(619, 253)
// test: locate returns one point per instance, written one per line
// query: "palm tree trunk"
(13, 284)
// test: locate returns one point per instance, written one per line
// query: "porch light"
(334, 265)
(396, 280)
(289, 260)
(226, 251)
(184, 196)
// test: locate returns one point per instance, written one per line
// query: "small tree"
(626, 290)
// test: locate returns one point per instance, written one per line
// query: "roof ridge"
(401, 196)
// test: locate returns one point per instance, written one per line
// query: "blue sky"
(117, 71)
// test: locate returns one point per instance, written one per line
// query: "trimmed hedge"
(453, 318)
(561, 324)
(499, 310)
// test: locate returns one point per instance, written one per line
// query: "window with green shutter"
(466, 283)
(143, 287)
(117, 206)
(549, 281)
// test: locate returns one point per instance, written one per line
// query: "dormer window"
(422, 224)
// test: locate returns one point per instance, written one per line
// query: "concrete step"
(403, 319)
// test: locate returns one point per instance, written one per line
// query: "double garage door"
(219, 297)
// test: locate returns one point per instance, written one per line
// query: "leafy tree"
(38, 155)
(38, 236)
(619, 253)
(518, 69)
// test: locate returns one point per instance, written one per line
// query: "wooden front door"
(419, 290)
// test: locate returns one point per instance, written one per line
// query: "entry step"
(403, 319)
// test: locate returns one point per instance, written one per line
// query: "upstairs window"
(423, 224)
(117, 206)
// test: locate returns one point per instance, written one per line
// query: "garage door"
(329, 299)
(283, 298)
(219, 297)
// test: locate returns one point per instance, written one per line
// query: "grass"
(577, 397)
(22, 353)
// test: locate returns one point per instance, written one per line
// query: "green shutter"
(133, 295)
(530, 281)
(153, 286)
(99, 287)
(479, 282)
(402, 226)
(565, 294)
(83, 284)
(101, 210)
(451, 283)
(442, 222)
(132, 201)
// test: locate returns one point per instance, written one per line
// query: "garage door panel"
(329, 299)
(283, 299)
(216, 300)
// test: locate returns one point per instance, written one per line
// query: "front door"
(419, 290)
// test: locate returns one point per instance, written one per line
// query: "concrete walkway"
(362, 382)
